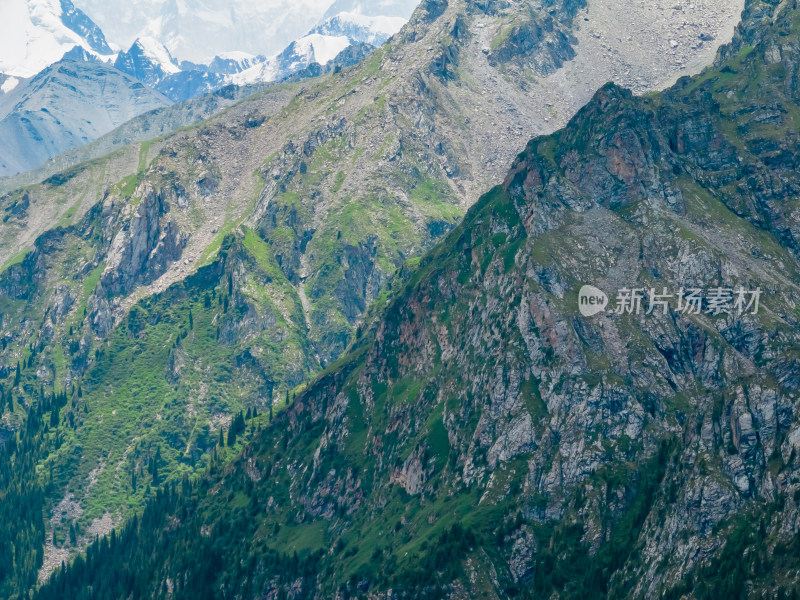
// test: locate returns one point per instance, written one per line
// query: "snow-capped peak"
(360, 28)
(313, 48)
(157, 53)
(36, 33)
(148, 60)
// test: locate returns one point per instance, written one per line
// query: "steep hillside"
(415, 132)
(301, 209)
(485, 439)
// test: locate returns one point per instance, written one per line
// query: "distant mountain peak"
(373, 8)
(360, 28)
(36, 33)
(147, 60)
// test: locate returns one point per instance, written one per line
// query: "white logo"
(591, 301)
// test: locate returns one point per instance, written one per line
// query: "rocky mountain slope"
(145, 127)
(239, 256)
(485, 439)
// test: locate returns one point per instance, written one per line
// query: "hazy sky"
(198, 30)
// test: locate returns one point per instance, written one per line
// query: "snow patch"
(9, 84)
(319, 48)
(383, 25)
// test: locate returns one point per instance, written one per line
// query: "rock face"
(143, 251)
(484, 438)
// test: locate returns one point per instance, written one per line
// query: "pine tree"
(153, 467)
(17, 375)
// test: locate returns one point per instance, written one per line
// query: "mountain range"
(67, 105)
(51, 32)
(297, 350)
(482, 437)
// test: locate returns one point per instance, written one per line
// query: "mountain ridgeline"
(84, 90)
(150, 296)
(482, 438)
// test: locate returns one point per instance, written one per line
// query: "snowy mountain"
(151, 62)
(326, 41)
(147, 60)
(36, 33)
(373, 8)
(229, 63)
(313, 48)
(373, 30)
(198, 31)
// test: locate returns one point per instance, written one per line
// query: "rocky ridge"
(289, 214)
(485, 439)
